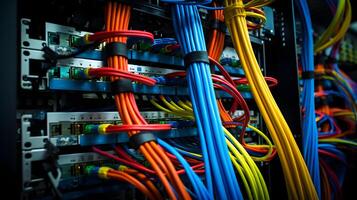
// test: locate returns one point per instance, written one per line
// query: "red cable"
(234, 95)
(231, 90)
(100, 36)
(326, 153)
(240, 99)
(182, 171)
(333, 177)
(137, 127)
(174, 74)
(228, 78)
(125, 162)
(222, 70)
(105, 71)
(189, 160)
(119, 150)
(270, 80)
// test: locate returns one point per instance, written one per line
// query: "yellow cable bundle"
(337, 28)
(297, 177)
(254, 179)
(249, 172)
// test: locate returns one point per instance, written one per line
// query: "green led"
(88, 129)
(89, 169)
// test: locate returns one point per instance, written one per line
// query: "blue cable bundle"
(310, 132)
(220, 176)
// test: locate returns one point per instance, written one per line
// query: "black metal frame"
(9, 59)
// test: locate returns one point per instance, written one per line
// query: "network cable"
(220, 176)
(117, 22)
(337, 28)
(309, 127)
(248, 171)
(298, 180)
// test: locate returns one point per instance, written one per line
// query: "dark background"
(9, 62)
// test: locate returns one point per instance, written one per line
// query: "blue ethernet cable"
(198, 186)
(310, 131)
(220, 176)
(210, 8)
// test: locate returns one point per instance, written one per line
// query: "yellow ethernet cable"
(338, 141)
(298, 181)
(337, 28)
(258, 3)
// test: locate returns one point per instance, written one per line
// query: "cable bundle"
(220, 176)
(297, 177)
(252, 179)
(216, 39)
(337, 125)
(337, 28)
(117, 19)
(310, 132)
(215, 48)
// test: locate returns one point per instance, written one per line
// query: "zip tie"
(140, 138)
(195, 56)
(308, 75)
(236, 9)
(121, 86)
(218, 25)
(116, 49)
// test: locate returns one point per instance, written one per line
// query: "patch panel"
(34, 69)
(67, 128)
(71, 174)
(57, 37)
(102, 86)
(71, 72)
(62, 76)
(32, 61)
(66, 47)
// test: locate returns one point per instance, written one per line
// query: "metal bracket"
(31, 142)
(27, 158)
